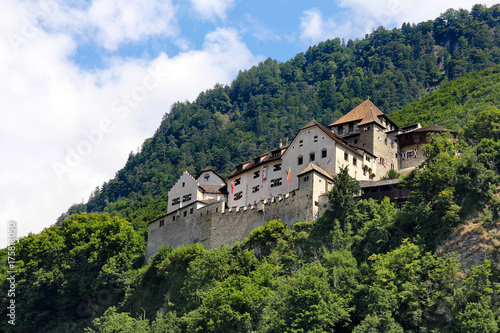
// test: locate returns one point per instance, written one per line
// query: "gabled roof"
(262, 159)
(330, 134)
(365, 111)
(371, 117)
(208, 169)
(313, 167)
(214, 189)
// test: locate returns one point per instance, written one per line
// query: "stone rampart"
(213, 225)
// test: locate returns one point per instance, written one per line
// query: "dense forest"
(363, 266)
(228, 125)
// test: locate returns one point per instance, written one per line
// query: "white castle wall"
(213, 225)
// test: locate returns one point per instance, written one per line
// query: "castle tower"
(367, 128)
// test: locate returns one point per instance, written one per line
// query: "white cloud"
(65, 131)
(315, 29)
(212, 9)
(110, 23)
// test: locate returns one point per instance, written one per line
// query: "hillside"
(227, 125)
(363, 266)
(455, 103)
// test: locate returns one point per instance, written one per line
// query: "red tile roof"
(365, 112)
(313, 167)
(214, 189)
(264, 158)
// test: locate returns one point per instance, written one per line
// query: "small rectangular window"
(323, 153)
(256, 174)
(191, 211)
(238, 195)
(315, 138)
(341, 129)
(162, 223)
(276, 182)
(354, 160)
(176, 201)
(185, 213)
(187, 197)
(301, 143)
(346, 156)
(237, 181)
(277, 167)
(255, 189)
(300, 160)
(312, 157)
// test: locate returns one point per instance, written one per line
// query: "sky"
(85, 82)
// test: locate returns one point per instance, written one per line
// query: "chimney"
(281, 143)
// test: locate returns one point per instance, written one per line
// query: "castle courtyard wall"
(213, 225)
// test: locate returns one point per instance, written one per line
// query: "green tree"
(70, 273)
(431, 212)
(341, 196)
(113, 322)
(485, 126)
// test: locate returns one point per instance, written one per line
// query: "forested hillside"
(363, 266)
(227, 125)
(456, 102)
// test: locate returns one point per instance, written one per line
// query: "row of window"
(185, 198)
(312, 157)
(274, 183)
(354, 159)
(301, 142)
(256, 174)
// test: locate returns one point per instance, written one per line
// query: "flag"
(415, 155)
(263, 174)
(289, 174)
(232, 188)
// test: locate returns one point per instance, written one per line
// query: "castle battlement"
(216, 224)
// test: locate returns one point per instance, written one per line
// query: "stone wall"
(213, 225)
(410, 161)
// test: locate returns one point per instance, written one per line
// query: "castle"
(290, 182)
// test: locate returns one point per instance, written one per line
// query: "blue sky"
(86, 82)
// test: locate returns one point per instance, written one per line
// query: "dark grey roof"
(375, 183)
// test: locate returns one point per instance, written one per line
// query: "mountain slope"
(456, 102)
(227, 125)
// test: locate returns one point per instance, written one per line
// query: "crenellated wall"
(214, 225)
